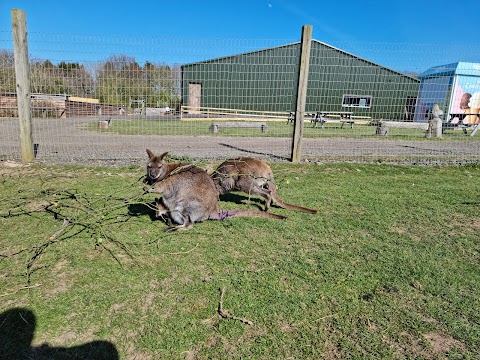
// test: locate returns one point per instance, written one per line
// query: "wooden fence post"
(22, 72)
(301, 93)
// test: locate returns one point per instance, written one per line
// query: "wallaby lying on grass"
(253, 177)
(188, 194)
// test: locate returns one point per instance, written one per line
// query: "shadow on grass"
(243, 199)
(254, 152)
(17, 329)
(142, 210)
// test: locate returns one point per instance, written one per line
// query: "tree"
(7, 71)
(113, 80)
(76, 79)
(120, 78)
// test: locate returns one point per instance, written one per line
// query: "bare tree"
(7, 71)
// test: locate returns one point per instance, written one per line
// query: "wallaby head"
(189, 195)
(254, 177)
(158, 168)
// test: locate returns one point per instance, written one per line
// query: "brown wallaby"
(188, 194)
(253, 177)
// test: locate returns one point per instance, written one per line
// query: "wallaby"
(254, 177)
(188, 194)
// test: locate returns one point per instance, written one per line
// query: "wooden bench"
(383, 126)
(291, 116)
(347, 121)
(345, 117)
(238, 125)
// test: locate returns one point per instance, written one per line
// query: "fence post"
(22, 72)
(301, 93)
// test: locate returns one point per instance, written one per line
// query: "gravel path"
(61, 141)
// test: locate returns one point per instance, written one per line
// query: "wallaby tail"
(276, 199)
(225, 214)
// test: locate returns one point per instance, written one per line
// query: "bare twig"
(59, 231)
(226, 315)
(20, 289)
(80, 212)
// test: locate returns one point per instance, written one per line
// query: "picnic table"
(321, 117)
(345, 117)
(456, 122)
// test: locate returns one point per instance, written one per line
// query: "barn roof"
(296, 44)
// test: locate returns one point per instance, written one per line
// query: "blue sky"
(408, 21)
(387, 21)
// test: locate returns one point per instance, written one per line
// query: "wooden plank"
(84, 100)
(22, 72)
(383, 126)
(215, 126)
(404, 125)
(301, 93)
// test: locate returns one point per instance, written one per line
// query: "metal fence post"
(22, 73)
(301, 93)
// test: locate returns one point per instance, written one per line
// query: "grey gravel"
(62, 141)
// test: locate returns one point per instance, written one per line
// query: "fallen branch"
(20, 289)
(59, 231)
(226, 315)
(94, 214)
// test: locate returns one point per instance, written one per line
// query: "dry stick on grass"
(90, 218)
(226, 315)
(59, 231)
(20, 289)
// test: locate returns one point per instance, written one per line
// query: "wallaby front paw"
(147, 189)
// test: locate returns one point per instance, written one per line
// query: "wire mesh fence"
(108, 98)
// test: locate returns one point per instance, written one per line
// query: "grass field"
(275, 129)
(388, 269)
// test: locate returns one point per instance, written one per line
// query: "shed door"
(194, 97)
(410, 107)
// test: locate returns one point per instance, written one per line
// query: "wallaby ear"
(150, 154)
(163, 155)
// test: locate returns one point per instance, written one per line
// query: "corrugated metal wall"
(267, 80)
(263, 80)
(334, 73)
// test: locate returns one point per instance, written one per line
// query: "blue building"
(455, 88)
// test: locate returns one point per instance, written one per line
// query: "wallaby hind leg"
(187, 225)
(256, 189)
(179, 218)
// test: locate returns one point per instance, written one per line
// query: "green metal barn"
(266, 80)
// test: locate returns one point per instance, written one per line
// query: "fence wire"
(104, 98)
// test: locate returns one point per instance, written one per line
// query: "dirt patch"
(149, 297)
(442, 343)
(62, 280)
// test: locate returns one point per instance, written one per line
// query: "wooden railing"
(209, 113)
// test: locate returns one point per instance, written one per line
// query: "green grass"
(275, 129)
(388, 269)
